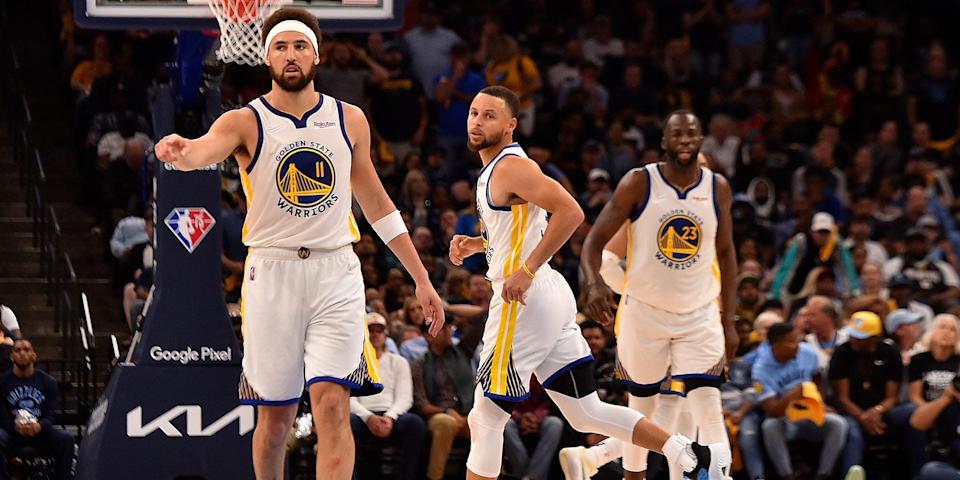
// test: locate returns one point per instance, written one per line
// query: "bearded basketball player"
(303, 157)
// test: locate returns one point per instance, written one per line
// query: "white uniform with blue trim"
(541, 337)
(669, 317)
(303, 304)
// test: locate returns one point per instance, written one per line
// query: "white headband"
(291, 26)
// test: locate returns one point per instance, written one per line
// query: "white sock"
(605, 452)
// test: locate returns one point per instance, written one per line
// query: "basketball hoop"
(241, 22)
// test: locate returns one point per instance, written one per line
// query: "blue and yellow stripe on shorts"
(501, 363)
(626, 276)
(370, 355)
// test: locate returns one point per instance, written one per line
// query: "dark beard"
(486, 143)
(296, 84)
(674, 158)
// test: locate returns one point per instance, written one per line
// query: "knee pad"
(486, 421)
(577, 381)
(590, 415)
(644, 390)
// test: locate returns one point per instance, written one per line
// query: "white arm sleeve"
(611, 272)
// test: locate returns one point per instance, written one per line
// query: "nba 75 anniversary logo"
(190, 225)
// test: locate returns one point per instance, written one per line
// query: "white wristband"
(390, 226)
(611, 272)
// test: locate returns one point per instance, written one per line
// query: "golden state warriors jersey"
(298, 180)
(671, 244)
(509, 232)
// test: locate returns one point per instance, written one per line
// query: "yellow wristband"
(523, 266)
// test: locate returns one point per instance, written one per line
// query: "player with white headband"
(303, 156)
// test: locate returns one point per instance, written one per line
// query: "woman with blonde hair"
(931, 373)
(415, 198)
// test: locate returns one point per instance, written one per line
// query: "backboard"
(334, 15)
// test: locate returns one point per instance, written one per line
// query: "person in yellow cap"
(865, 374)
(779, 375)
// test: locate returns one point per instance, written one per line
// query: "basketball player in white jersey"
(303, 156)
(680, 259)
(578, 462)
(531, 326)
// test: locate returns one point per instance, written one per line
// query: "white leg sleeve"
(704, 406)
(486, 421)
(590, 415)
(634, 457)
(668, 417)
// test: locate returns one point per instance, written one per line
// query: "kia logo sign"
(243, 414)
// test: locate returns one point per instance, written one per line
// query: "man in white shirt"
(385, 415)
(821, 318)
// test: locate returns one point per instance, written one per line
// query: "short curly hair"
(289, 13)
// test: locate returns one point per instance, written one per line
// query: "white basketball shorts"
(541, 337)
(652, 343)
(303, 321)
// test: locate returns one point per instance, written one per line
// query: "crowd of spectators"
(836, 123)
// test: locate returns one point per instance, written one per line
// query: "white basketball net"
(241, 22)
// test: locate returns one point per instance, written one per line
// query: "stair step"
(10, 268)
(13, 209)
(16, 240)
(20, 285)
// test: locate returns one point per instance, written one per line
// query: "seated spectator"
(748, 297)
(386, 415)
(902, 294)
(930, 374)
(130, 233)
(821, 246)
(758, 338)
(398, 108)
(111, 146)
(859, 232)
(597, 195)
(904, 329)
(135, 296)
(413, 347)
(453, 91)
(937, 281)
(778, 376)
(821, 319)
(532, 425)
(738, 399)
(87, 71)
(609, 388)
(343, 77)
(122, 183)
(9, 322)
(443, 395)
(30, 398)
(865, 373)
(515, 70)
